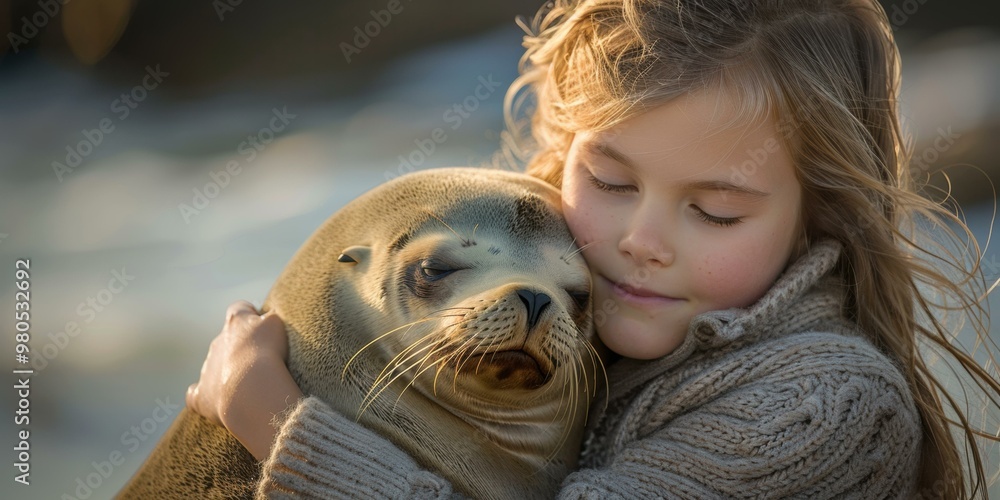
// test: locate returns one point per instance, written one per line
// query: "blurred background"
(160, 160)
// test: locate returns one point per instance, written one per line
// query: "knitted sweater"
(781, 399)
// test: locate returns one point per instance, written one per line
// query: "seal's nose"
(535, 304)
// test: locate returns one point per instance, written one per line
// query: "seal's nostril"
(542, 301)
(535, 303)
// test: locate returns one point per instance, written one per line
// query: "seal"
(449, 311)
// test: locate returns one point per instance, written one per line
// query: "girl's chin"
(638, 341)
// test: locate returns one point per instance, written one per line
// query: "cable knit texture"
(783, 399)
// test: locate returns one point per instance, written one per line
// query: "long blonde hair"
(828, 72)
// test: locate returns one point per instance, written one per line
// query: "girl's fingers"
(238, 308)
(191, 397)
(191, 400)
(274, 327)
(271, 317)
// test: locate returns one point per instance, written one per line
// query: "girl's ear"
(355, 254)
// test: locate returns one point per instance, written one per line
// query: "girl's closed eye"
(701, 214)
(611, 188)
(718, 221)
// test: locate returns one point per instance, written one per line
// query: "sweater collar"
(781, 310)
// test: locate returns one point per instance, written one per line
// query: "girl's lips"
(640, 296)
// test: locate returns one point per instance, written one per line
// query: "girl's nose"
(644, 243)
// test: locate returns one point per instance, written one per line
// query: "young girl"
(736, 174)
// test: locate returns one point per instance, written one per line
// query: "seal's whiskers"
(459, 363)
(569, 248)
(388, 375)
(442, 361)
(578, 250)
(380, 337)
(402, 358)
(437, 362)
(464, 241)
(596, 361)
(405, 354)
(428, 317)
(423, 349)
(493, 343)
(469, 353)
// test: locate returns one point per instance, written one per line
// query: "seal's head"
(450, 305)
(488, 294)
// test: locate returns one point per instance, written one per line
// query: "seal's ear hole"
(355, 254)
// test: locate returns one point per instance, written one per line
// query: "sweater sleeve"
(841, 426)
(807, 428)
(319, 453)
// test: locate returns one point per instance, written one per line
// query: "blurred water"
(118, 213)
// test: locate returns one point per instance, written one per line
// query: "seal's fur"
(448, 310)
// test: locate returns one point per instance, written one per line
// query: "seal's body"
(448, 310)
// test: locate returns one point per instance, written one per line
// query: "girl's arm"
(845, 425)
(245, 386)
(812, 430)
(321, 454)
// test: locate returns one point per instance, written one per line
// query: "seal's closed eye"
(434, 269)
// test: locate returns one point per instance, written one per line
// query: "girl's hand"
(244, 382)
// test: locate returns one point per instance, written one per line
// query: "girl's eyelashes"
(611, 188)
(718, 221)
(709, 218)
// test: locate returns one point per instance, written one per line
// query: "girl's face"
(680, 214)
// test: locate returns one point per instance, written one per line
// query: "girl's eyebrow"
(603, 149)
(721, 185)
(701, 185)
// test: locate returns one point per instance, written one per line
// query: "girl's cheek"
(734, 279)
(579, 219)
(580, 226)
